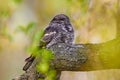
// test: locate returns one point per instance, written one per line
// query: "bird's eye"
(62, 19)
(55, 19)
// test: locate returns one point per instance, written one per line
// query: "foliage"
(5, 33)
(6, 9)
(45, 54)
(44, 65)
(26, 29)
(17, 1)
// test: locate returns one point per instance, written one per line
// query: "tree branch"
(80, 57)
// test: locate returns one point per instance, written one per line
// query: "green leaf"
(51, 75)
(17, 1)
(38, 36)
(21, 28)
(30, 27)
(43, 67)
(84, 5)
(47, 55)
(4, 13)
(26, 29)
(4, 32)
(34, 48)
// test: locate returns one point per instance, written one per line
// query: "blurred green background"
(94, 21)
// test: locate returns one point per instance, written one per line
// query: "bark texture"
(79, 57)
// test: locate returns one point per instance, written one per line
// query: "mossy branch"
(80, 57)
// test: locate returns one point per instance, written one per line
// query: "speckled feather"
(59, 30)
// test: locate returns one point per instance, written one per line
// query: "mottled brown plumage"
(59, 30)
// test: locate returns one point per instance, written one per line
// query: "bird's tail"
(28, 61)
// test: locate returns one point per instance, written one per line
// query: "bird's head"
(61, 18)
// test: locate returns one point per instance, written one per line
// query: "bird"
(59, 30)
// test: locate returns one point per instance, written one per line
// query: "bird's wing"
(48, 36)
